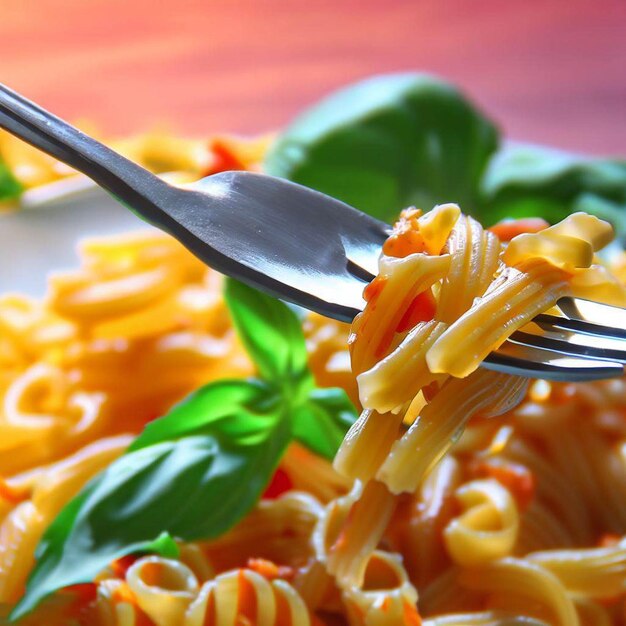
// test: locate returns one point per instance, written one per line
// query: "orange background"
(551, 71)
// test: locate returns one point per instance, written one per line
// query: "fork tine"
(522, 360)
(593, 312)
(572, 343)
(587, 316)
(550, 322)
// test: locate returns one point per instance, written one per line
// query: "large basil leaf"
(526, 180)
(10, 188)
(321, 422)
(270, 331)
(389, 142)
(193, 474)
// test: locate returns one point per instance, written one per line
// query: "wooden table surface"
(551, 71)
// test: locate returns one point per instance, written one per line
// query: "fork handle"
(137, 188)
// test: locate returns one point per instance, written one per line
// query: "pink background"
(551, 71)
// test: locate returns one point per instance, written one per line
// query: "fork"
(305, 247)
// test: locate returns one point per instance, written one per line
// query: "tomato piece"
(374, 289)
(518, 479)
(224, 159)
(404, 243)
(405, 238)
(269, 569)
(411, 616)
(421, 309)
(84, 593)
(430, 390)
(507, 229)
(120, 566)
(279, 484)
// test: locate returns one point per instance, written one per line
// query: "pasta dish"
(460, 496)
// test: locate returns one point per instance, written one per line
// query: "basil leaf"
(526, 180)
(321, 422)
(270, 331)
(193, 474)
(388, 142)
(232, 408)
(10, 188)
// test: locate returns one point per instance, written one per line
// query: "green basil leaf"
(270, 331)
(193, 474)
(526, 180)
(321, 422)
(10, 188)
(389, 142)
(234, 409)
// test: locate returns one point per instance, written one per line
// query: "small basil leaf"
(388, 142)
(197, 484)
(164, 545)
(321, 422)
(10, 188)
(526, 180)
(270, 331)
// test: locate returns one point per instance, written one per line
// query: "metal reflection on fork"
(579, 345)
(304, 246)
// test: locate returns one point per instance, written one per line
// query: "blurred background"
(550, 71)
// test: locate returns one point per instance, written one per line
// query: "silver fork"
(303, 246)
